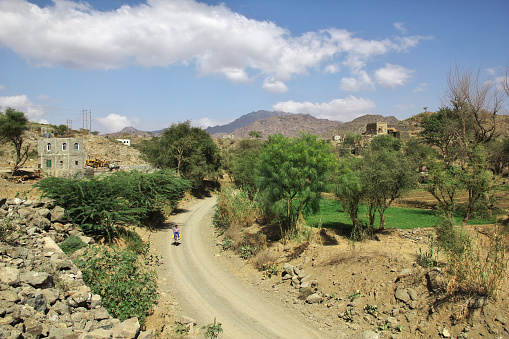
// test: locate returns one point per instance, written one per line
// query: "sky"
(152, 63)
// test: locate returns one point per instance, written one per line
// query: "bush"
(6, 229)
(234, 209)
(128, 289)
(101, 205)
(72, 244)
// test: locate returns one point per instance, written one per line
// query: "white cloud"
(22, 103)
(362, 82)
(421, 88)
(206, 122)
(42, 97)
(112, 123)
(392, 75)
(274, 86)
(162, 33)
(337, 109)
(400, 26)
(331, 68)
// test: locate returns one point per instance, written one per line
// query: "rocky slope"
(288, 125)
(42, 293)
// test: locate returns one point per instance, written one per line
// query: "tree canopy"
(13, 125)
(291, 174)
(189, 150)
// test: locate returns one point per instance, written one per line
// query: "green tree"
(348, 188)
(352, 139)
(61, 129)
(255, 134)
(244, 158)
(291, 174)
(189, 150)
(385, 173)
(13, 125)
(462, 131)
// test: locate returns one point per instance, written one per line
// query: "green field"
(331, 215)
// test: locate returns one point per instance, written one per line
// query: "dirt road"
(206, 289)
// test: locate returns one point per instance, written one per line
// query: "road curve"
(206, 289)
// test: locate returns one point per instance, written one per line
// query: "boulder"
(37, 279)
(58, 214)
(314, 298)
(9, 275)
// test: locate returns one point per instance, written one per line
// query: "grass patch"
(331, 215)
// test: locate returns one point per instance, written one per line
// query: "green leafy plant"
(430, 257)
(247, 251)
(354, 295)
(181, 329)
(72, 244)
(128, 288)
(270, 269)
(212, 330)
(6, 228)
(371, 309)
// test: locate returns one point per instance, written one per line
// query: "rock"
(44, 212)
(288, 269)
(33, 328)
(412, 293)
(314, 298)
(99, 333)
(476, 303)
(9, 276)
(37, 301)
(128, 329)
(435, 280)
(146, 335)
(58, 214)
(37, 279)
(446, 333)
(402, 294)
(9, 296)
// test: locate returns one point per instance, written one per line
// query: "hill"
(243, 121)
(290, 125)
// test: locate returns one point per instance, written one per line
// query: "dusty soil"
(358, 283)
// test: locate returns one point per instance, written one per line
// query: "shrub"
(101, 205)
(72, 244)
(212, 330)
(6, 229)
(128, 289)
(234, 209)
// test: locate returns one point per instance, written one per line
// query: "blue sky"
(151, 63)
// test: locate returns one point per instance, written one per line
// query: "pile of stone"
(42, 293)
(300, 280)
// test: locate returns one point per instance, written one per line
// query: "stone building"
(62, 157)
(376, 128)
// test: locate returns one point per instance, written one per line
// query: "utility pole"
(90, 129)
(69, 124)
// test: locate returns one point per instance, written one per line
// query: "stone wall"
(42, 293)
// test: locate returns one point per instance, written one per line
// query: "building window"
(76, 162)
(64, 146)
(48, 162)
(48, 147)
(76, 146)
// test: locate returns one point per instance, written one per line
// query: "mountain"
(290, 125)
(129, 131)
(243, 121)
(358, 125)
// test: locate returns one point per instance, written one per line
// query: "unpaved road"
(206, 289)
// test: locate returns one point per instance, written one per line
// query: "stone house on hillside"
(62, 157)
(376, 128)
